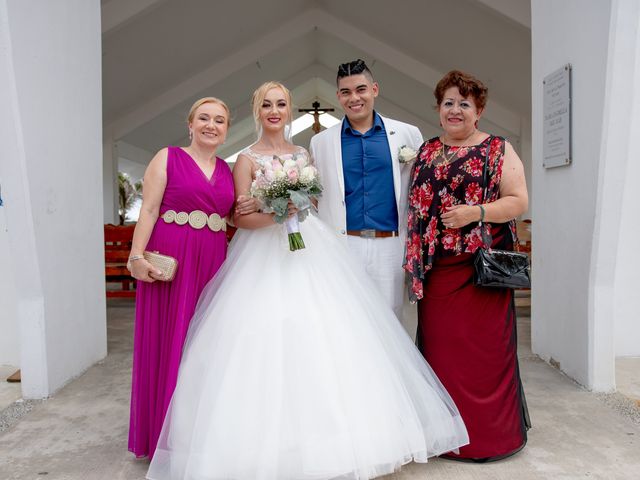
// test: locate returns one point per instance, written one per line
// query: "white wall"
(9, 338)
(109, 178)
(564, 199)
(624, 126)
(50, 124)
(132, 160)
(525, 155)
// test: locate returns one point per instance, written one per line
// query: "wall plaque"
(556, 132)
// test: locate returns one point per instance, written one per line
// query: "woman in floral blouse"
(468, 333)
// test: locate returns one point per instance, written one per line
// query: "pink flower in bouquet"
(269, 175)
(292, 174)
(261, 180)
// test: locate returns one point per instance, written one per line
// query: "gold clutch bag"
(166, 264)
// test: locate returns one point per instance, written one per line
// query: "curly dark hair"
(468, 86)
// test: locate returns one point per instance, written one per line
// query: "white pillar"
(569, 304)
(623, 172)
(50, 131)
(525, 156)
(9, 338)
(110, 177)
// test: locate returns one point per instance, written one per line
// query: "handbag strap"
(486, 237)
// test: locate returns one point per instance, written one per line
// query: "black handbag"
(498, 268)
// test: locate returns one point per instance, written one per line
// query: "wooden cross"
(316, 111)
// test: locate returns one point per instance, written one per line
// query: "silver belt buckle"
(368, 233)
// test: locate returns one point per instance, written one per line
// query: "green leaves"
(128, 193)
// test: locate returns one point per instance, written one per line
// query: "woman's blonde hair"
(258, 99)
(198, 103)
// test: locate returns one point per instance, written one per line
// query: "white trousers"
(382, 260)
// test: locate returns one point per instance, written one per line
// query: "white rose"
(308, 174)
(406, 154)
(289, 165)
(280, 174)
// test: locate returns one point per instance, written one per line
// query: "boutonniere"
(406, 154)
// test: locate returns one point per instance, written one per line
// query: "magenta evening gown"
(164, 309)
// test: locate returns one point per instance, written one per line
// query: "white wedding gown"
(295, 368)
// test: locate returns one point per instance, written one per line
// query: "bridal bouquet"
(281, 181)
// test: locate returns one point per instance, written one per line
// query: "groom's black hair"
(355, 67)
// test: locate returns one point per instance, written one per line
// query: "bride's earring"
(190, 134)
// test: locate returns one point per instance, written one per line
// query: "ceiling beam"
(518, 11)
(289, 32)
(405, 64)
(247, 55)
(133, 153)
(117, 13)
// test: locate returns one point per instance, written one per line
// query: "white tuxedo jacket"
(326, 150)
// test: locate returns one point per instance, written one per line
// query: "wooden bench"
(524, 236)
(117, 244)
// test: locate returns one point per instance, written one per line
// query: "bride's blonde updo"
(258, 99)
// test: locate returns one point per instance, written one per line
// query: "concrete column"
(50, 130)
(9, 337)
(525, 156)
(622, 172)
(569, 327)
(22, 257)
(110, 177)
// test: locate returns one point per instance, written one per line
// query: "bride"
(294, 367)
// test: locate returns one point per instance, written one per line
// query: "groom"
(365, 185)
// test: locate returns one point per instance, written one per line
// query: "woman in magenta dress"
(468, 333)
(178, 182)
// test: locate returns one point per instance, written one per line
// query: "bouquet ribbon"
(293, 229)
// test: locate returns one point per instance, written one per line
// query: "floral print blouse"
(436, 185)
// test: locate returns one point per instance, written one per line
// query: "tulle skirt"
(295, 368)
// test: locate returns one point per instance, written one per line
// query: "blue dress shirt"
(368, 178)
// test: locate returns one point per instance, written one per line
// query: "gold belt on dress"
(196, 219)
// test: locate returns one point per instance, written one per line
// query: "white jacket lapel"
(337, 155)
(393, 138)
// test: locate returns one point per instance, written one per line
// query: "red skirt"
(468, 336)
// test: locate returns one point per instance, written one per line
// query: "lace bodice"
(259, 159)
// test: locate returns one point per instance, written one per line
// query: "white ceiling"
(161, 55)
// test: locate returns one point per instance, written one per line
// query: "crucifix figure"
(316, 111)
